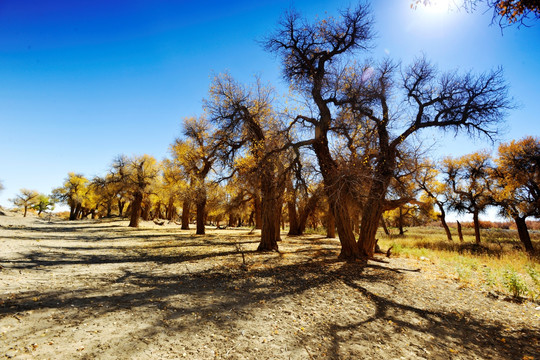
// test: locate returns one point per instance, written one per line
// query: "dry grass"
(499, 264)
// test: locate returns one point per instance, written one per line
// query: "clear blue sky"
(83, 81)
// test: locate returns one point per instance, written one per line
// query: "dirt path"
(99, 290)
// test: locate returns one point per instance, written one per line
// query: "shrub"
(514, 283)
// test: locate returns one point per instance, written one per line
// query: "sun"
(437, 6)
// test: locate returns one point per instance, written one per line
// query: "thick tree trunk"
(136, 209)
(270, 225)
(371, 216)
(336, 200)
(523, 233)
(201, 208)
(330, 225)
(185, 214)
(294, 228)
(25, 210)
(443, 222)
(476, 222)
(72, 208)
(460, 232)
(271, 212)
(258, 212)
(372, 212)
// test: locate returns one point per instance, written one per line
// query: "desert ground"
(96, 289)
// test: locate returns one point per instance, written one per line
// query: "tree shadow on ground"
(224, 296)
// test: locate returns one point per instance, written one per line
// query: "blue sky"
(84, 81)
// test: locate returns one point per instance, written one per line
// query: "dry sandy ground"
(100, 290)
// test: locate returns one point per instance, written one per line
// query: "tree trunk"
(145, 213)
(523, 233)
(385, 228)
(72, 211)
(372, 212)
(136, 209)
(270, 226)
(25, 210)
(460, 232)
(476, 227)
(121, 205)
(271, 211)
(371, 216)
(185, 214)
(109, 209)
(330, 225)
(171, 211)
(294, 228)
(443, 222)
(400, 222)
(338, 204)
(257, 209)
(201, 208)
(78, 210)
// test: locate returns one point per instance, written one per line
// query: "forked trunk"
(371, 216)
(136, 209)
(372, 212)
(338, 204)
(349, 250)
(523, 233)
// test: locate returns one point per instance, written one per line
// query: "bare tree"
(309, 53)
(352, 97)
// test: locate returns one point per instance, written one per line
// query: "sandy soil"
(100, 290)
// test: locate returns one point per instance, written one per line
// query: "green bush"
(514, 283)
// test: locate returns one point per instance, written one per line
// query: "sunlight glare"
(437, 7)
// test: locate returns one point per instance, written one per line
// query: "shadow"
(200, 286)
